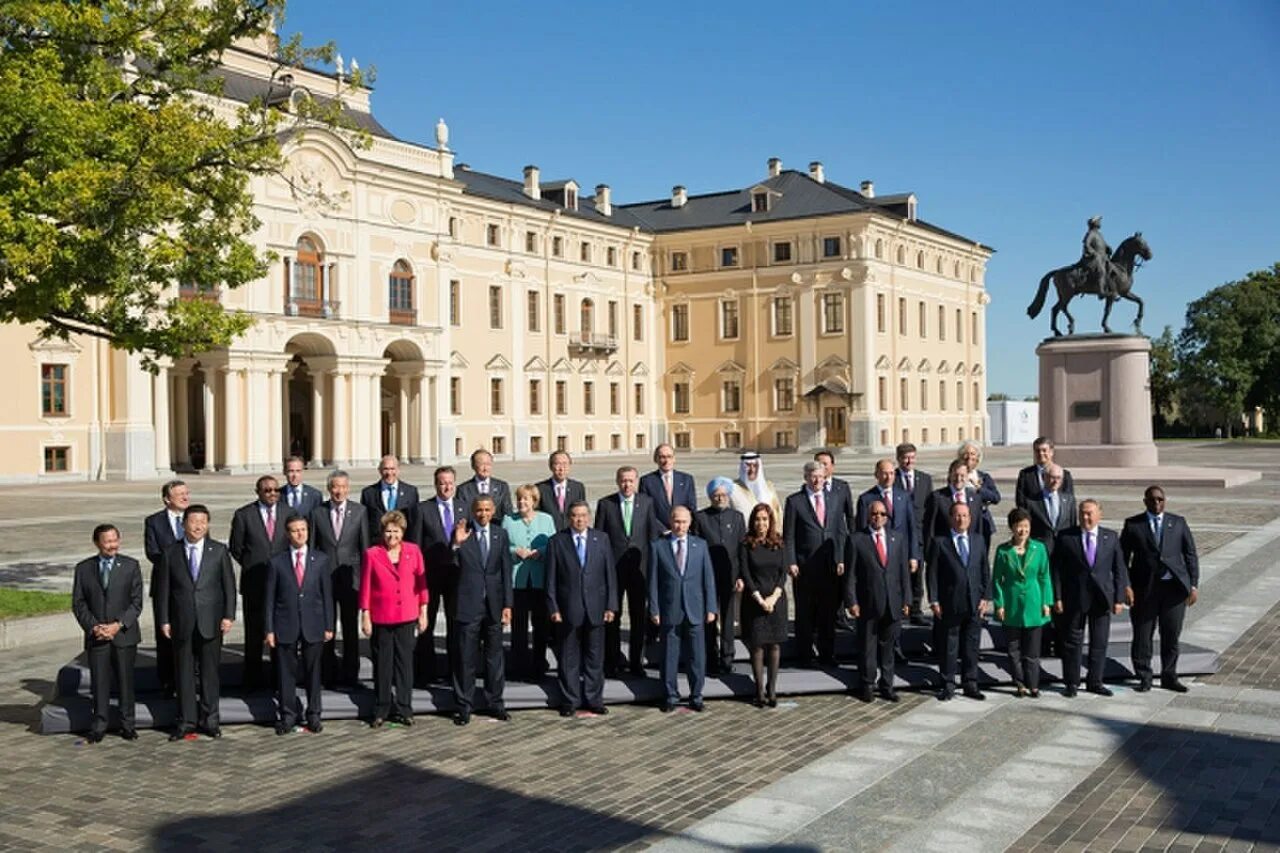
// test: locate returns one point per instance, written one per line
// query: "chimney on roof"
(678, 196)
(604, 206)
(463, 167)
(775, 167)
(869, 189)
(531, 187)
(815, 172)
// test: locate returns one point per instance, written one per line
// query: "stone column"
(361, 444)
(421, 420)
(317, 418)
(402, 417)
(210, 420)
(341, 419)
(375, 410)
(284, 436)
(275, 411)
(232, 422)
(181, 417)
(161, 421)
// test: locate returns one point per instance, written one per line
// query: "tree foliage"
(1164, 374)
(119, 175)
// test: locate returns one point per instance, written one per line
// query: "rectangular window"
(455, 395)
(729, 319)
(588, 398)
(831, 247)
(942, 323)
(782, 326)
(783, 439)
(611, 256)
(535, 396)
(534, 311)
(639, 401)
(944, 435)
(562, 397)
(903, 399)
(535, 444)
(638, 444)
(588, 443)
(458, 441)
(682, 441)
(615, 399)
(455, 303)
(498, 444)
(491, 235)
(557, 305)
(635, 261)
(731, 395)
(53, 390)
(615, 441)
(729, 256)
(942, 395)
(882, 394)
(679, 322)
(924, 436)
(400, 291)
(680, 401)
(959, 326)
(781, 252)
(973, 332)
(453, 227)
(557, 247)
(495, 396)
(531, 241)
(495, 307)
(731, 439)
(613, 320)
(923, 319)
(960, 396)
(56, 459)
(924, 395)
(833, 313)
(637, 322)
(562, 443)
(784, 394)
(584, 252)
(881, 320)
(679, 261)
(760, 203)
(902, 316)
(977, 398)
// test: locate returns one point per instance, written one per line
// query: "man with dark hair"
(443, 519)
(299, 621)
(919, 486)
(668, 487)
(937, 509)
(484, 483)
(1090, 582)
(960, 585)
(297, 495)
(1032, 479)
(106, 599)
(257, 534)
(627, 520)
(484, 601)
(557, 492)
(878, 594)
(582, 600)
(390, 492)
(339, 531)
(834, 484)
(159, 532)
(197, 609)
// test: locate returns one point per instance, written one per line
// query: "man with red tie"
(900, 509)
(878, 595)
(813, 546)
(299, 621)
(557, 493)
(937, 507)
(257, 534)
(668, 487)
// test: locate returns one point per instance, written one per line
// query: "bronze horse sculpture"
(1071, 281)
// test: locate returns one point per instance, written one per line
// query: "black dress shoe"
(215, 732)
(598, 710)
(1173, 684)
(773, 702)
(500, 715)
(566, 711)
(899, 657)
(1070, 691)
(947, 693)
(1034, 692)
(697, 706)
(315, 726)
(667, 707)
(94, 737)
(971, 691)
(405, 720)
(129, 734)
(863, 694)
(889, 694)
(758, 702)
(1100, 690)
(1144, 684)
(180, 735)
(462, 718)
(377, 723)
(283, 728)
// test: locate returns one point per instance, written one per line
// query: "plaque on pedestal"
(1095, 400)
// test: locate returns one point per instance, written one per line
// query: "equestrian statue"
(1106, 274)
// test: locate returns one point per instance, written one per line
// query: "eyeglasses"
(270, 490)
(874, 513)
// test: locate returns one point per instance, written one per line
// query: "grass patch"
(19, 603)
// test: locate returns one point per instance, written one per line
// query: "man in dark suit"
(106, 599)
(484, 483)
(813, 544)
(159, 531)
(197, 609)
(257, 534)
(682, 598)
(832, 483)
(443, 520)
(558, 492)
(919, 486)
(295, 494)
(723, 528)
(668, 487)
(960, 583)
(1031, 479)
(878, 595)
(627, 519)
(1052, 511)
(582, 599)
(898, 504)
(339, 531)
(299, 620)
(1164, 570)
(937, 509)
(1090, 582)
(483, 610)
(389, 493)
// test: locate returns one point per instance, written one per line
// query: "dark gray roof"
(242, 87)
(512, 192)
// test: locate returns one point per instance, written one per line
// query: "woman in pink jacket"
(393, 601)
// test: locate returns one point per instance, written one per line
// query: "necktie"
(193, 565)
(911, 482)
(390, 499)
(888, 501)
(626, 516)
(680, 556)
(293, 497)
(820, 508)
(177, 526)
(298, 569)
(582, 550)
(1090, 548)
(880, 550)
(337, 522)
(447, 506)
(958, 497)
(271, 522)
(1156, 530)
(104, 570)
(962, 548)
(666, 482)
(484, 545)
(560, 496)
(1051, 499)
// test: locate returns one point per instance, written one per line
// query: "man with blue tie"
(106, 599)
(160, 531)
(960, 583)
(484, 601)
(1091, 584)
(682, 599)
(390, 492)
(442, 519)
(582, 598)
(298, 496)
(668, 487)
(299, 620)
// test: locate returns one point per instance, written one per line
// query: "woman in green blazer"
(1022, 598)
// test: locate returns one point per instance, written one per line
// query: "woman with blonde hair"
(529, 531)
(971, 455)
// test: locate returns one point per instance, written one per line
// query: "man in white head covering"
(752, 488)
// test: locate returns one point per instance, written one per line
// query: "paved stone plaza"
(1137, 771)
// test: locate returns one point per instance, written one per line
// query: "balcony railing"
(403, 316)
(298, 306)
(593, 342)
(203, 294)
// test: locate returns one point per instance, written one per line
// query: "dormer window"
(570, 198)
(760, 202)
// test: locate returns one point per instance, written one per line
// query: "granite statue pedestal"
(1095, 400)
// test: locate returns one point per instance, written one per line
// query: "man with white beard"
(752, 488)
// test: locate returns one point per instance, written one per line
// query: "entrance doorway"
(834, 421)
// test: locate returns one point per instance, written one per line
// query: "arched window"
(939, 266)
(587, 318)
(400, 292)
(879, 250)
(919, 260)
(307, 264)
(902, 255)
(955, 270)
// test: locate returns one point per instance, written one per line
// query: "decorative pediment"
(52, 346)
(562, 365)
(498, 362)
(833, 362)
(640, 369)
(883, 363)
(944, 367)
(457, 362)
(535, 365)
(615, 369)
(976, 371)
(731, 366)
(588, 278)
(680, 369)
(924, 366)
(588, 367)
(904, 366)
(960, 371)
(784, 366)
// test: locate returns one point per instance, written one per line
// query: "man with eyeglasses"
(878, 594)
(258, 533)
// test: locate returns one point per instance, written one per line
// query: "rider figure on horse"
(1096, 258)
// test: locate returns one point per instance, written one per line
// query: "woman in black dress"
(764, 600)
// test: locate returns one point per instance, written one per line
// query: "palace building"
(427, 309)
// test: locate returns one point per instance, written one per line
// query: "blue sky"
(1012, 123)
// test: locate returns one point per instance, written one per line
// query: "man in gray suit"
(682, 599)
(106, 599)
(1052, 511)
(340, 531)
(484, 483)
(197, 609)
